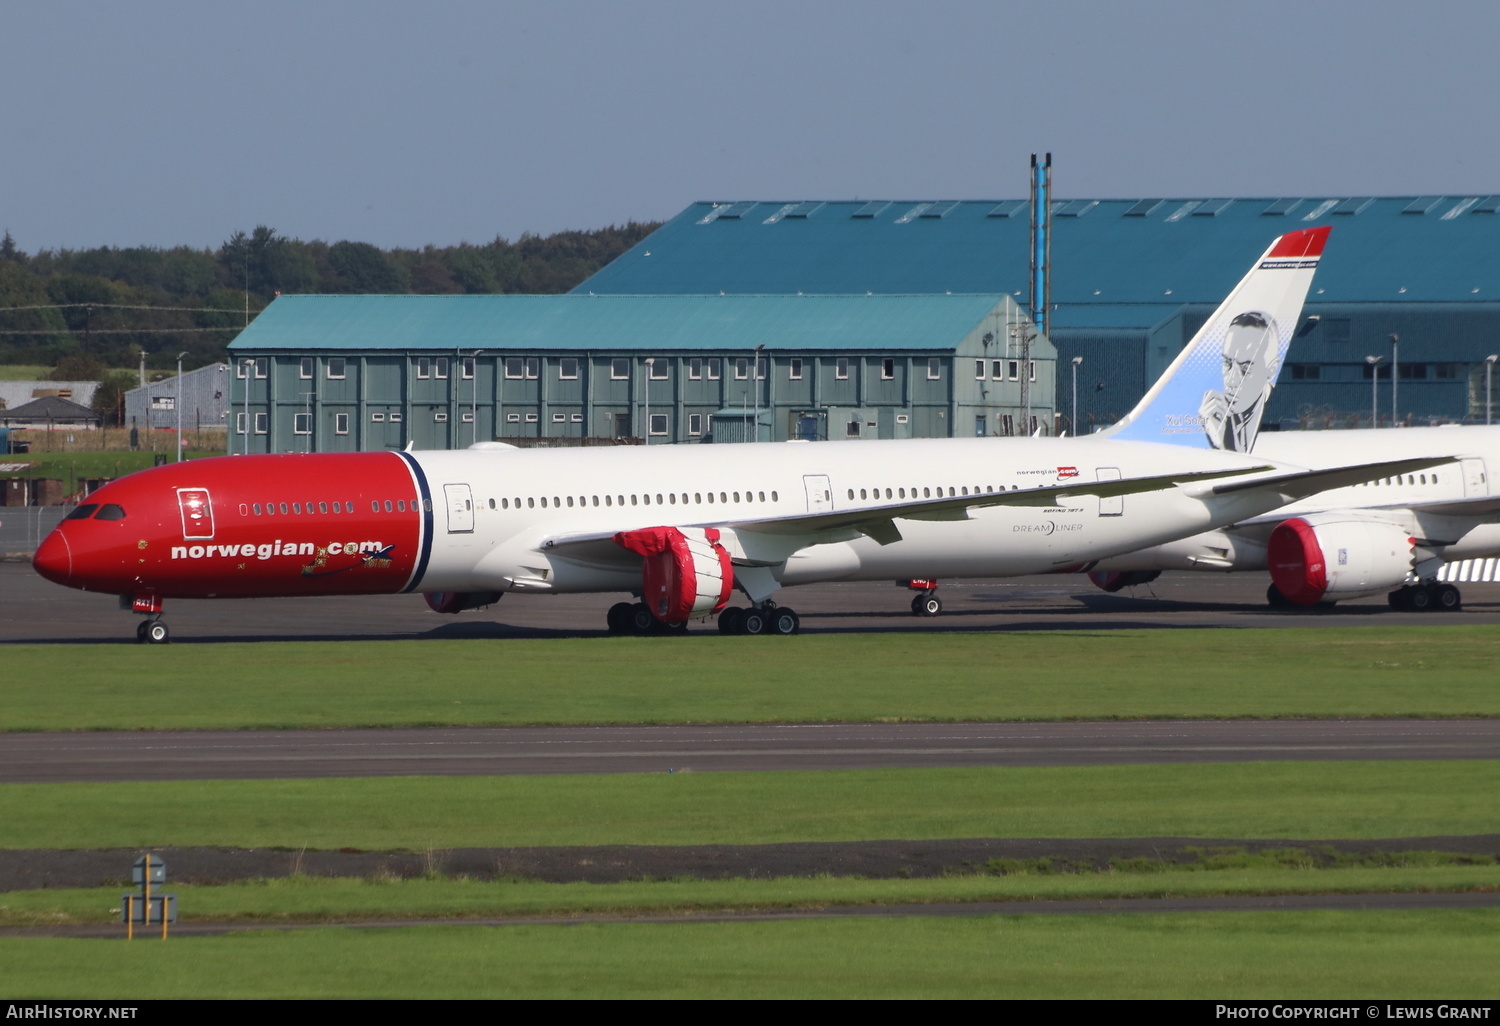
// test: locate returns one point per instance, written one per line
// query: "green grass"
(1251, 800)
(1283, 955)
(1427, 670)
(76, 466)
(316, 899)
(23, 372)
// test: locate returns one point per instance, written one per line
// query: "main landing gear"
(1426, 598)
(926, 603)
(635, 618)
(766, 618)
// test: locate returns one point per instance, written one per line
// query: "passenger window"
(283, 509)
(322, 507)
(658, 498)
(297, 507)
(83, 512)
(773, 497)
(256, 508)
(244, 510)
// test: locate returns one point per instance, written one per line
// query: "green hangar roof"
(645, 323)
(1157, 252)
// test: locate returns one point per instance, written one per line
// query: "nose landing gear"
(926, 603)
(150, 631)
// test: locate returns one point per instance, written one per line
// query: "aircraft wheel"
(140, 631)
(1420, 600)
(784, 622)
(641, 620)
(928, 605)
(731, 619)
(1400, 600)
(1447, 598)
(156, 632)
(619, 616)
(754, 622)
(1275, 599)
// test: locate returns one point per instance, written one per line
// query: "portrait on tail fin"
(1231, 418)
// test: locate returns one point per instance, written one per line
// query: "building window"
(467, 416)
(532, 418)
(567, 368)
(997, 371)
(978, 370)
(395, 418)
(902, 418)
(424, 367)
(887, 369)
(440, 417)
(714, 365)
(741, 368)
(341, 423)
(440, 367)
(515, 367)
(577, 418)
(658, 423)
(658, 369)
(852, 429)
(377, 418)
(336, 367)
(307, 368)
(1014, 369)
(262, 423)
(841, 368)
(239, 423)
(559, 418)
(512, 418)
(466, 366)
(1305, 371)
(1447, 371)
(695, 368)
(695, 423)
(794, 369)
(1031, 370)
(934, 368)
(619, 369)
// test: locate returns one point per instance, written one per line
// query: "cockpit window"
(109, 511)
(83, 512)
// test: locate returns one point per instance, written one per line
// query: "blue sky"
(401, 124)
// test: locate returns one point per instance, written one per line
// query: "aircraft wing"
(878, 521)
(1300, 484)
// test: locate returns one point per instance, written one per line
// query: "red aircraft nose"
(53, 559)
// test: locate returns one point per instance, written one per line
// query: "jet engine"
(1313, 559)
(686, 572)
(458, 601)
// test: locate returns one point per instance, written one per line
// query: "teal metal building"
(1132, 279)
(344, 373)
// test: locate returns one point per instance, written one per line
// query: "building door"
(622, 425)
(460, 508)
(1110, 505)
(1475, 484)
(807, 429)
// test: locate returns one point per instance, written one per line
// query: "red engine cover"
(1298, 568)
(682, 576)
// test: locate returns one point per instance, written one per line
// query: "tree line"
(102, 307)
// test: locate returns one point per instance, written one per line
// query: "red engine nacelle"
(686, 572)
(1314, 560)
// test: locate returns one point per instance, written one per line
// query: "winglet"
(1213, 394)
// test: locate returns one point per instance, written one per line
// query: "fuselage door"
(197, 512)
(819, 493)
(1475, 484)
(1110, 505)
(460, 508)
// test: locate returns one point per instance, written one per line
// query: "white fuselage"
(498, 514)
(1396, 500)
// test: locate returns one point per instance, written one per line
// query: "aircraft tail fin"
(1213, 394)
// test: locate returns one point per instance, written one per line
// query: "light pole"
(650, 362)
(1374, 381)
(474, 401)
(179, 404)
(1489, 365)
(1076, 361)
(249, 365)
(755, 384)
(1395, 375)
